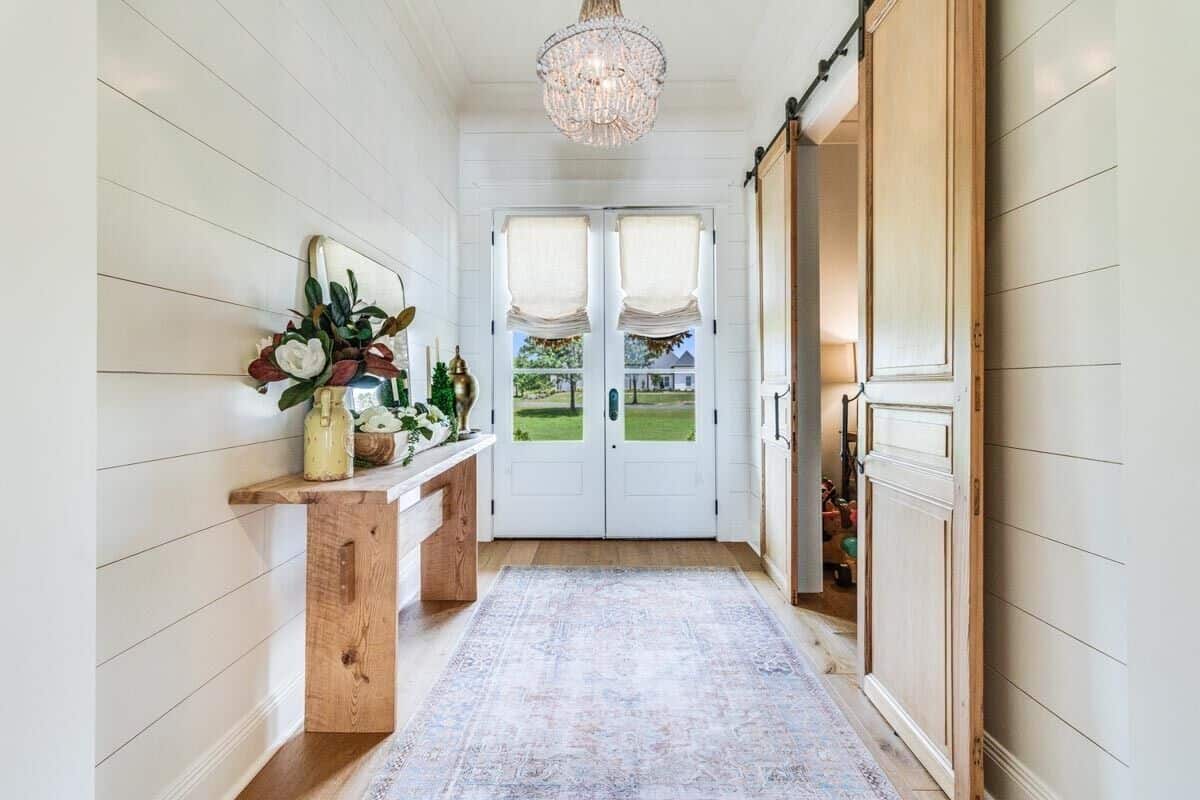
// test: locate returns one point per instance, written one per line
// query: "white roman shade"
(548, 276)
(660, 272)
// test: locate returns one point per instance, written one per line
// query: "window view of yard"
(659, 389)
(547, 389)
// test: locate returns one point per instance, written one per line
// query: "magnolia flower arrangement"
(342, 341)
(417, 422)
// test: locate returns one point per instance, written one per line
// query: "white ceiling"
(498, 40)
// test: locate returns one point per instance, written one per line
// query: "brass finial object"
(466, 391)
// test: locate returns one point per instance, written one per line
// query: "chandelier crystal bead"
(602, 76)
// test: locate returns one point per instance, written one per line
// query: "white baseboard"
(1020, 782)
(275, 720)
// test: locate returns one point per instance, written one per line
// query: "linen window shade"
(660, 273)
(548, 276)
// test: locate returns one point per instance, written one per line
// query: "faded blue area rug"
(617, 683)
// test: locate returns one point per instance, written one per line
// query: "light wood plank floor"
(314, 766)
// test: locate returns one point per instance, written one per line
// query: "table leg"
(350, 650)
(449, 557)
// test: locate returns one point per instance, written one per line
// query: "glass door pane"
(660, 388)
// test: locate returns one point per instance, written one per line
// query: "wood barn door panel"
(909, 192)
(777, 251)
(921, 299)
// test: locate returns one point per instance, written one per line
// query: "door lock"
(614, 404)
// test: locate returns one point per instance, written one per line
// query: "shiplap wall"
(48, 401)
(513, 157)
(230, 132)
(1057, 710)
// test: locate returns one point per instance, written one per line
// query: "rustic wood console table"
(358, 530)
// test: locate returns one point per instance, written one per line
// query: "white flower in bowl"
(301, 360)
(407, 411)
(423, 421)
(380, 423)
(436, 414)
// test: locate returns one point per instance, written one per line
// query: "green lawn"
(657, 417)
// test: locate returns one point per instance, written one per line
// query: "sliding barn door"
(777, 396)
(921, 102)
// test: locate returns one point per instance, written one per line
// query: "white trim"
(258, 719)
(1016, 771)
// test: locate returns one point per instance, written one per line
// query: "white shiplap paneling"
(230, 133)
(1057, 708)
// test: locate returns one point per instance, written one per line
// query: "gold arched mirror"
(330, 260)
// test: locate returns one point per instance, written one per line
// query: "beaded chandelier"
(602, 77)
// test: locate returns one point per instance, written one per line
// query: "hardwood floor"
(312, 766)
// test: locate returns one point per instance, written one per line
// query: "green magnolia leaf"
(326, 343)
(372, 311)
(313, 293)
(405, 318)
(309, 329)
(341, 307)
(353, 286)
(297, 394)
(292, 336)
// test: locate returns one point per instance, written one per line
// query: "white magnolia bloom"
(372, 412)
(302, 361)
(436, 414)
(407, 411)
(380, 423)
(425, 422)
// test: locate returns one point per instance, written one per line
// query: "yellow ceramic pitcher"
(329, 437)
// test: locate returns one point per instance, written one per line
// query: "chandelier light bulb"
(601, 77)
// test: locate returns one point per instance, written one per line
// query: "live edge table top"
(372, 486)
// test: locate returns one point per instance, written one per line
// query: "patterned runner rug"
(615, 683)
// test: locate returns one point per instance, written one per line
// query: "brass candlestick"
(466, 391)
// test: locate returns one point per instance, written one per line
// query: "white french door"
(599, 436)
(660, 462)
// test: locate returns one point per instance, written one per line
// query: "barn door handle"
(779, 396)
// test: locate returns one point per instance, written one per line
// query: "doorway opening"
(838, 189)
(608, 432)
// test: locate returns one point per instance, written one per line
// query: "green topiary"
(441, 393)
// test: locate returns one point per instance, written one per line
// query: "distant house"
(668, 373)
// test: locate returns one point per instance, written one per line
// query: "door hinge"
(493, 238)
(714, 327)
(493, 416)
(714, 416)
(493, 508)
(714, 235)
(977, 336)
(493, 327)
(716, 508)
(976, 500)
(978, 393)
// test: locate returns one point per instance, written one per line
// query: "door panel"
(660, 453)
(777, 396)
(920, 612)
(549, 466)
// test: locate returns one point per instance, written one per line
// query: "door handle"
(614, 404)
(779, 396)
